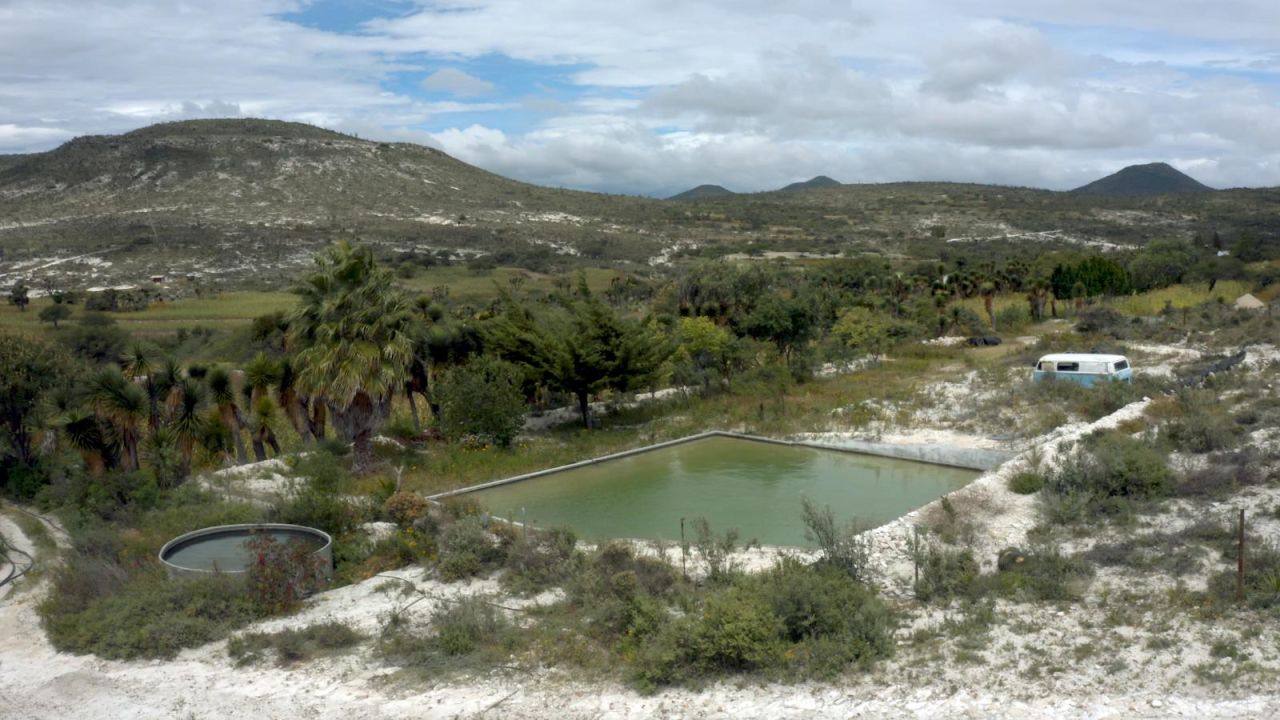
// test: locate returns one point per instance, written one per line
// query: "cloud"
(457, 82)
(655, 96)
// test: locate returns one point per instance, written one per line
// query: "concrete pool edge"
(982, 460)
(325, 551)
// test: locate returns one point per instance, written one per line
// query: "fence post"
(1240, 561)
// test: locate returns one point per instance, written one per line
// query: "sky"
(656, 96)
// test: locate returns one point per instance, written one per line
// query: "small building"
(157, 279)
(1249, 302)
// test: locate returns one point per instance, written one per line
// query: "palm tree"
(223, 393)
(352, 330)
(122, 405)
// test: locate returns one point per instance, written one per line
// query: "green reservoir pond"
(750, 485)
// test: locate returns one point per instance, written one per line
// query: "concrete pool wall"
(932, 454)
(643, 493)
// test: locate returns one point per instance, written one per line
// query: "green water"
(753, 486)
(227, 551)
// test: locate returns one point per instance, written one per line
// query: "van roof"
(1082, 357)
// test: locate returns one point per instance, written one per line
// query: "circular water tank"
(223, 548)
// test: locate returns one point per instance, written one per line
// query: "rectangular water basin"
(750, 485)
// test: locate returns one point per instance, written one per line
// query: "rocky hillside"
(249, 202)
(226, 197)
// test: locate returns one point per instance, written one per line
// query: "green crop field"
(224, 311)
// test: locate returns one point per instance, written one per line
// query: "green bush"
(1026, 483)
(464, 626)
(405, 507)
(945, 573)
(1261, 577)
(1043, 575)
(466, 550)
(842, 547)
(293, 644)
(541, 560)
(1110, 470)
(150, 617)
(797, 619)
(482, 399)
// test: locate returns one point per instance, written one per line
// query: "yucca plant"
(223, 393)
(122, 405)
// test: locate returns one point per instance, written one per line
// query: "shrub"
(462, 627)
(467, 549)
(405, 507)
(944, 573)
(1043, 575)
(807, 619)
(483, 399)
(1202, 428)
(737, 630)
(282, 573)
(618, 594)
(715, 550)
(1026, 483)
(1110, 469)
(1261, 577)
(541, 560)
(841, 547)
(152, 616)
(293, 644)
(823, 605)
(1224, 474)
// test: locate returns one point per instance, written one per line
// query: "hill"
(239, 199)
(248, 203)
(703, 192)
(1150, 179)
(821, 181)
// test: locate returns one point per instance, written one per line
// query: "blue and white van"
(1083, 368)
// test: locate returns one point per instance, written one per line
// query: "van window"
(1122, 365)
(1068, 367)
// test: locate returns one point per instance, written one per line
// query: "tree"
(96, 338)
(223, 393)
(581, 346)
(786, 322)
(863, 330)
(122, 406)
(20, 296)
(704, 349)
(28, 370)
(186, 422)
(482, 398)
(352, 331)
(55, 314)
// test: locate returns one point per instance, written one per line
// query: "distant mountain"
(1151, 179)
(819, 182)
(703, 192)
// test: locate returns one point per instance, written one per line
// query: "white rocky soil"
(1106, 657)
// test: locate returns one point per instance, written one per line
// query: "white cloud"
(664, 95)
(457, 82)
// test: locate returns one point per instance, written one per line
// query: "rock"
(1010, 558)
(379, 530)
(1156, 703)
